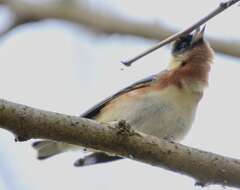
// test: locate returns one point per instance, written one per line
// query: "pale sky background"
(61, 67)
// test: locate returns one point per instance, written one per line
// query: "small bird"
(162, 105)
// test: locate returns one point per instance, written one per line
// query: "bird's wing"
(91, 113)
(101, 157)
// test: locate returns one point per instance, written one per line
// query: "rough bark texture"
(118, 138)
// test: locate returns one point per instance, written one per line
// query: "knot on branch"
(224, 5)
(200, 184)
(124, 129)
(227, 4)
(21, 138)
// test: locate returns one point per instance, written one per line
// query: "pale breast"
(166, 113)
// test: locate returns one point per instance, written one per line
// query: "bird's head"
(191, 49)
(190, 63)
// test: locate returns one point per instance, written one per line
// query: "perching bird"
(162, 105)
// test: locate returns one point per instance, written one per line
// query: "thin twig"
(222, 6)
(108, 22)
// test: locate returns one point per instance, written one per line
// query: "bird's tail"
(46, 148)
(96, 158)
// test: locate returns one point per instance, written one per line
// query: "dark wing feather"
(96, 158)
(101, 157)
(139, 84)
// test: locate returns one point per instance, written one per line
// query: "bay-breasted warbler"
(162, 105)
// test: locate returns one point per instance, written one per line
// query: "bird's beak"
(198, 34)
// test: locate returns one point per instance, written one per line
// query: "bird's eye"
(183, 45)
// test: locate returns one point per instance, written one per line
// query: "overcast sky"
(57, 66)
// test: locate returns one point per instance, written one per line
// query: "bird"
(163, 105)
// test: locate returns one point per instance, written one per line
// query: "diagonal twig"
(222, 6)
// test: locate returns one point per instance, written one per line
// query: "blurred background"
(64, 56)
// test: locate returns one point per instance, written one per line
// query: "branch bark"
(80, 12)
(119, 139)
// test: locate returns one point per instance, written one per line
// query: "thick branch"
(119, 139)
(81, 12)
(15, 22)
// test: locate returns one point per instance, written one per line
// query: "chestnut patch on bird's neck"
(192, 70)
(186, 76)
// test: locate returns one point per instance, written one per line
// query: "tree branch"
(16, 22)
(222, 7)
(80, 12)
(119, 139)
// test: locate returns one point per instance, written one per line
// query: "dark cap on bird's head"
(189, 41)
(191, 49)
